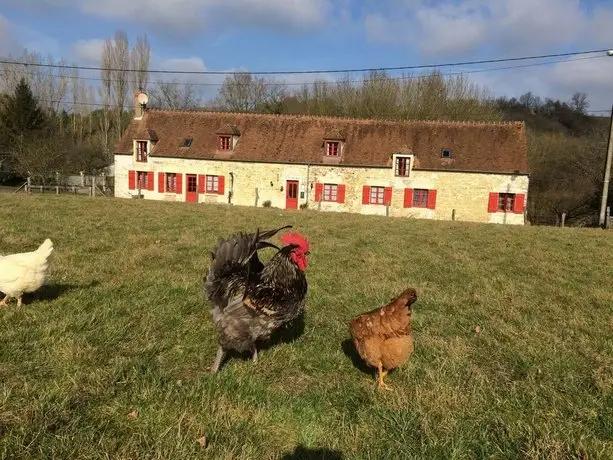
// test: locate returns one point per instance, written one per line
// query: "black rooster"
(250, 299)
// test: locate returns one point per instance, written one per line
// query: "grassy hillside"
(111, 359)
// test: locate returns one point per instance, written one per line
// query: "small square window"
(377, 195)
(225, 143)
(212, 184)
(171, 182)
(330, 192)
(403, 166)
(187, 142)
(506, 202)
(445, 153)
(141, 151)
(420, 198)
(142, 178)
(332, 149)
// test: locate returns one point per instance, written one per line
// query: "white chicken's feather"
(26, 271)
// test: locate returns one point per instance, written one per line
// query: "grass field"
(110, 360)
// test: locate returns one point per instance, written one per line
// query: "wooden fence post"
(453, 214)
(563, 219)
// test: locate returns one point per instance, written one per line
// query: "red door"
(291, 194)
(191, 190)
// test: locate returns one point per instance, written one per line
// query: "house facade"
(467, 171)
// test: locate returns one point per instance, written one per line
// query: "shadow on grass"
(358, 362)
(301, 452)
(53, 291)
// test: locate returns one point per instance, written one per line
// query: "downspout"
(308, 184)
(231, 192)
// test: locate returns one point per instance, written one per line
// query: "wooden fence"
(91, 190)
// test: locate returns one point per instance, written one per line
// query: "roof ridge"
(344, 118)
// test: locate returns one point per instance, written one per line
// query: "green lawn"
(123, 328)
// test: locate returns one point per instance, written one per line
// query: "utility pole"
(607, 175)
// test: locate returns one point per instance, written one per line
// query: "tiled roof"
(475, 146)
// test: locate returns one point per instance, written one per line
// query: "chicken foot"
(3, 302)
(218, 359)
(255, 354)
(380, 374)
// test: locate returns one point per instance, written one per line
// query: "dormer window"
(187, 142)
(141, 151)
(227, 137)
(332, 148)
(445, 153)
(225, 142)
(402, 166)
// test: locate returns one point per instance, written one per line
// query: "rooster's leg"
(381, 373)
(218, 359)
(3, 301)
(19, 301)
(255, 354)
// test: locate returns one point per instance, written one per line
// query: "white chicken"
(24, 272)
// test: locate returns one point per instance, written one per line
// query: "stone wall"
(256, 183)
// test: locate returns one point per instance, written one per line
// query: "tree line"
(80, 116)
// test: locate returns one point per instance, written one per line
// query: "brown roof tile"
(475, 146)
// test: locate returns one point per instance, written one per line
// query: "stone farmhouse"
(469, 171)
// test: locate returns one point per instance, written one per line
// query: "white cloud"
(14, 38)
(8, 41)
(462, 26)
(182, 18)
(88, 52)
(455, 30)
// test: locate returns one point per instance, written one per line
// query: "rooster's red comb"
(295, 238)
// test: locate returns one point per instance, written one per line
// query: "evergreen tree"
(20, 114)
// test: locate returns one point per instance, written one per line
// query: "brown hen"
(383, 336)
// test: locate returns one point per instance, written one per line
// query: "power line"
(283, 83)
(299, 72)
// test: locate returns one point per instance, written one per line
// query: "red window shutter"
(408, 197)
(340, 193)
(520, 199)
(161, 182)
(318, 191)
(493, 203)
(131, 180)
(179, 183)
(201, 183)
(366, 194)
(221, 184)
(387, 196)
(431, 204)
(150, 181)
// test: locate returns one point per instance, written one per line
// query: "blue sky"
(330, 34)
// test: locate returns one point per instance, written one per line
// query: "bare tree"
(105, 91)
(174, 95)
(39, 157)
(140, 57)
(580, 103)
(244, 92)
(120, 63)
